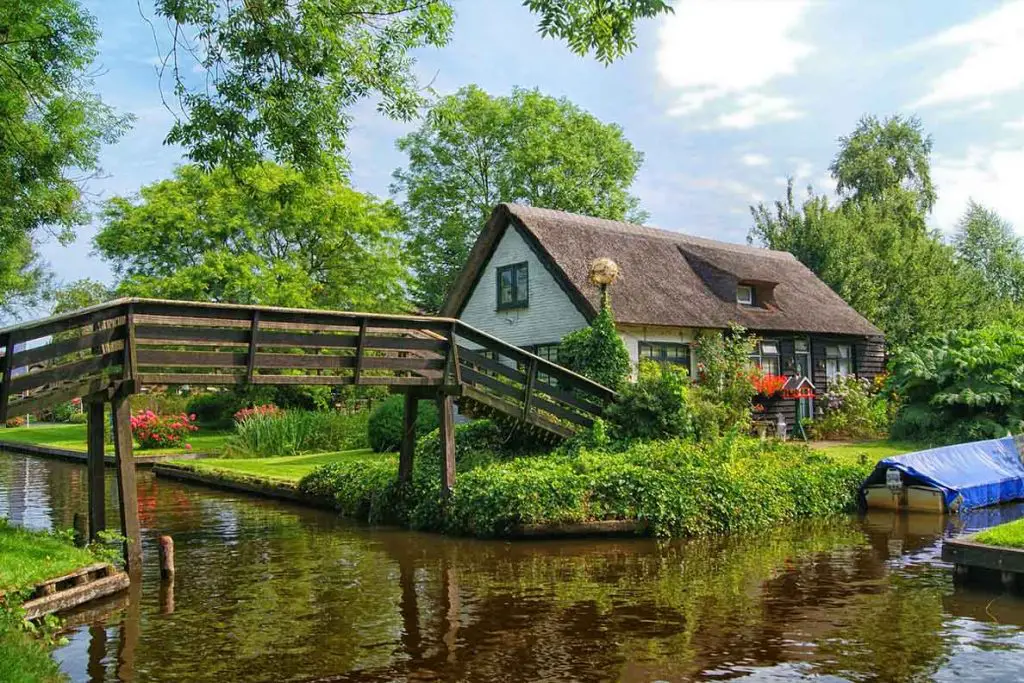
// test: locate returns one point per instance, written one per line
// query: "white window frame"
(838, 363)
(757, 358)
(747, 300)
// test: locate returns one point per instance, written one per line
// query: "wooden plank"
(475, 358)
(166, 333)
(407, 448)
(567, 397)
(69, 371)
(75, 576)
(59, 395)
(179, 378)
(513, 411)
(472, 377)
(454, 355)
(191, 359)
(71, 321)
(75, 596)
(360, 351)
(446, 428)
(96, 488)
(127, 492)
(6, 370)
(63, 348)
(254, 331)
(561, 412)
(964, 551)
(290, 361)
(421, 381)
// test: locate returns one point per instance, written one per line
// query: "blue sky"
(725, 98)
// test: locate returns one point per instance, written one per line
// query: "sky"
(726, 99)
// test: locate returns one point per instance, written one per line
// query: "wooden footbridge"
(106, 353)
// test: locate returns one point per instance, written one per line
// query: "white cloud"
(989, 176)
(727, 53)
(754, 109)
(754, 159)
(992, 63)
(1017, 124)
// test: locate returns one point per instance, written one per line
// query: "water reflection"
(267, 591)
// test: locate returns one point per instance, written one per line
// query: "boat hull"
(909, 498)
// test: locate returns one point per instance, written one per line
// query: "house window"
(745, 295)
(766, 357)
(665, 352)
(548, 352)
(513, 286)
(837, 361)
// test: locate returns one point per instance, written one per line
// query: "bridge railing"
(148, 342)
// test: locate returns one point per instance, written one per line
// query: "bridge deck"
(110, 351)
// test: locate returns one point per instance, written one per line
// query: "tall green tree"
(83, 293)
(52, 126)
(987, 242)
(282, 75)
(475, 150)
(884, 158)
(264, 235)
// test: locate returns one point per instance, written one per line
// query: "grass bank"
(73, 438)
(287, 469)
(869, 452)
(675, 487)
(27, 558)
(1009, 535)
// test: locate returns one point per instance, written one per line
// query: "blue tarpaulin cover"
(970, 474)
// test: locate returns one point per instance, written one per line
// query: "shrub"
(853, 408)
(161, 431)
(677, 487)
(960, 386)
(214, 408)
(64, 412)
(597, 351)
(293, 432)
(168, 402)
(16, 422)
(656, 406)
(256, 411)
(384, 429)
(79, 419)
(723, 400)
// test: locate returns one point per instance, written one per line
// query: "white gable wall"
(550, 315)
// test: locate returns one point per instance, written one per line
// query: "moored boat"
(948, 479)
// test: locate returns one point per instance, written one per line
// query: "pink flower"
(188, 447)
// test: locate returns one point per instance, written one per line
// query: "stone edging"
(253, 486)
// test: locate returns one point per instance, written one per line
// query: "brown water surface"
(267, 591)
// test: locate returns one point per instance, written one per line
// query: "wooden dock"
(77, 588)
(982, 563)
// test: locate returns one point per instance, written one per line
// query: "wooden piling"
(127, 492)
(167, 558)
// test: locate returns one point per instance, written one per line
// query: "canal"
(267, 591)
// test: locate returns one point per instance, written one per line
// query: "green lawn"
(1009, 535)
(72, 437)
(287, 469)
(873, 451)
(28, 557)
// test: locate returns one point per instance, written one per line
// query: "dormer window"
(745, 295)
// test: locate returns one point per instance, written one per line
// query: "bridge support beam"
(407, 449)
(127, 493)
(96, 484)
(446, 417)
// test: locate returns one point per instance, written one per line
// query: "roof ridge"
(636, 230)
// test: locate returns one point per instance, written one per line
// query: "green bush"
(723, 401)
(656, 406)
(214, 408)
(64, 412)
(161, 402)
(961, 386)
(676, 487)
(384, 429)
(294, 432)
(597, 352)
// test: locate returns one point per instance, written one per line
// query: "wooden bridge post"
(407, 448)
(6, 371)
(127, 492)
(446, 416)
(95, 468)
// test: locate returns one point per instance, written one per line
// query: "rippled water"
(267, 591)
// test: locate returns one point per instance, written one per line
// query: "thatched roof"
(667, 278)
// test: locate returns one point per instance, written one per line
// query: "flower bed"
(162, 431)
